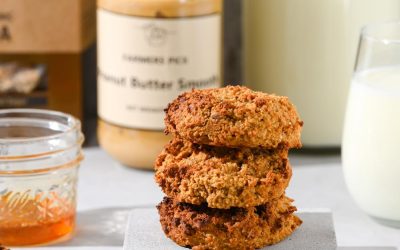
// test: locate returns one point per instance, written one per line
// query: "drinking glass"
(371, 140)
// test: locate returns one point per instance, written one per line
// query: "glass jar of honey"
(40, 152)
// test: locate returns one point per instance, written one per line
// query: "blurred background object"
(233, 73)
(47, 55)
(149, 52)
(305, 49)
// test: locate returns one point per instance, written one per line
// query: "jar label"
(144, 63)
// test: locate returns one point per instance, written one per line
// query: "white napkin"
(144, 233)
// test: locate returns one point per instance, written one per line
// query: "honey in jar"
(33, 220)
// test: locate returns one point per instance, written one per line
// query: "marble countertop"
(107, 192)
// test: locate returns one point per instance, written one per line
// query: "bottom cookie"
(201, 228)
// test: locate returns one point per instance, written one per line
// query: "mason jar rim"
(74, 125)
(387, 32)
(39, 153)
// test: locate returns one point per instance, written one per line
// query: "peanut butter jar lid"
(162, 8)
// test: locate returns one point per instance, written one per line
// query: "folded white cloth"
(144, 232)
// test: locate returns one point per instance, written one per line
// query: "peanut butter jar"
(150, 51)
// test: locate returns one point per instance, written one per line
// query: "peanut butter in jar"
(150, 51)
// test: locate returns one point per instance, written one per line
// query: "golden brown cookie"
(222, 177)
(201, 228)
(234, 116)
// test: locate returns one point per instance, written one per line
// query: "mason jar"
(40, 152)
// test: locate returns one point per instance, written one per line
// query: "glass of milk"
(371, 140)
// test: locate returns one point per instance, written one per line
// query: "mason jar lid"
(162, 8)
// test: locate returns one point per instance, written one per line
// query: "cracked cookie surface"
(234, 116)
(201, 228)
(222, 177)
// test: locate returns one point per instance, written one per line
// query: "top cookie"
(234, 116)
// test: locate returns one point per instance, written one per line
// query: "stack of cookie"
(226, 169)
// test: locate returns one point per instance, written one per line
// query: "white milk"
(371, 142)
(305, 49)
